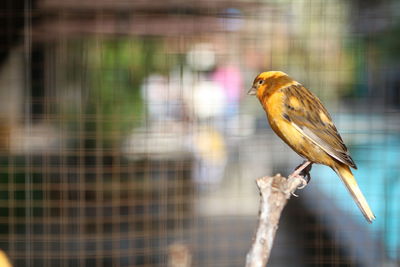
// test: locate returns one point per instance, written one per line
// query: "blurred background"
(127, 138)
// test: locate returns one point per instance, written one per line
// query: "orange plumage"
(298, 117)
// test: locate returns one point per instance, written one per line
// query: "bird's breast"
(274, 108)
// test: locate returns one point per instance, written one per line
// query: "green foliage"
(388, 43)
(115, 69)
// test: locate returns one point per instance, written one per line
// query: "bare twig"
(275, 192)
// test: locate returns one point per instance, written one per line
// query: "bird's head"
(267, 81)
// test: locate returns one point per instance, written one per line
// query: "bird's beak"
(252, 91)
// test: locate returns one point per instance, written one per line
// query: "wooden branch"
(274, 194)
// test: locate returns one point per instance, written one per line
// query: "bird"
(300, 119)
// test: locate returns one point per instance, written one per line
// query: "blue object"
(377, 155)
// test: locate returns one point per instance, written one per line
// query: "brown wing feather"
(321, 130)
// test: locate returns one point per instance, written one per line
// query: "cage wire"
(127, 138)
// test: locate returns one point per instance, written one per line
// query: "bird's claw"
(304, 182)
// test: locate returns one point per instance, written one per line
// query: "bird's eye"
(260, 82)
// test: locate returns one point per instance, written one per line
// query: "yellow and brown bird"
(298, 117)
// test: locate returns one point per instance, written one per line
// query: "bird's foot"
(302, 172)
(304, 182)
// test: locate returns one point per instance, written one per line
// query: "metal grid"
(126, 138)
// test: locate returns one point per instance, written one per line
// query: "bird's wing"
(307, 114)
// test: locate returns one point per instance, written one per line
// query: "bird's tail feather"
(351, 184)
